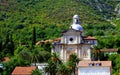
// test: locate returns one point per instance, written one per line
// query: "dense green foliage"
(24, 22)
(57, 67)
(50, 17)
(37, 72)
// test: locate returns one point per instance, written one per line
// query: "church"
(74, 41)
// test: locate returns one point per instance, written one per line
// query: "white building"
(95, 68)
(73, 41)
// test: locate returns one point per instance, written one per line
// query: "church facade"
(74, 41)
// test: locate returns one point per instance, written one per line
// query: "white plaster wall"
(71, 42)
(85, 52)
(62, 39)
(57, 49)
(94, 71)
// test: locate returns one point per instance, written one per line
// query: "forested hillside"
(21, 20)
(50, 17)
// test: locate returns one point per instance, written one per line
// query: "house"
(23, 70)
(74, 41)
(91, 40)
(95, 68)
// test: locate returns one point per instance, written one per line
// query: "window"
(91, 64)
(77, 21)
(71, 39)
(98, 64)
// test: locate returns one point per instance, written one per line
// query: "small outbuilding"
(95, 68)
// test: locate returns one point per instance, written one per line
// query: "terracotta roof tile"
(57, 39)
(38, 43)
(90, 38)
(109, 50)
(86, 63)
(6, 59)
(46, 41)
(23, 70)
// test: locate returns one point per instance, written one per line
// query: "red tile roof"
(50, 41)
(103, 63)
(109, 50)
(23, 70)
(38, 43)
(6, 59)
(57, 39)
(90, 38)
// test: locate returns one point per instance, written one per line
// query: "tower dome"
(76, 24)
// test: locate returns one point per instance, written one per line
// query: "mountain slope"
(50, 17)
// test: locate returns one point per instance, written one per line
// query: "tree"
(51, 68)
(34, 37)
(44, 56)
(53, 64)
(46, 46)
(37, 72)
(1, 56)
(35, 56)
(63, 70)
(56, 58)
(8, 46)
(1, 41)
(96, 53)
(72, 62)
(19, 49)
(25, 55)
(1, 52)
(115, 58)
(14, 61)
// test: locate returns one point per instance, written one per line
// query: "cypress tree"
(1, 44)
(34, 37)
